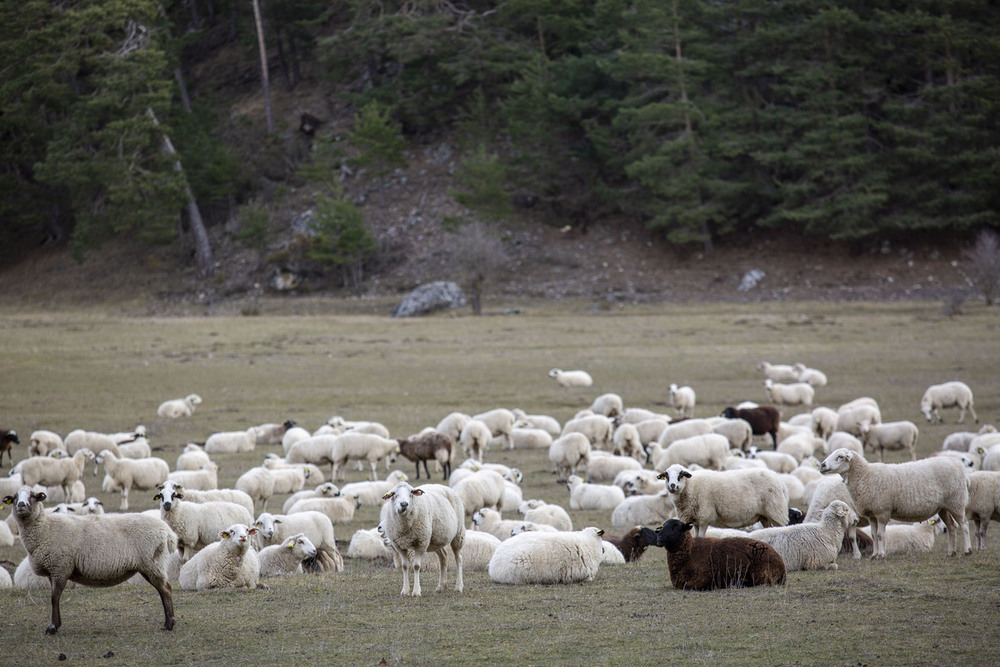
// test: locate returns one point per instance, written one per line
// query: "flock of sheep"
(720, 494)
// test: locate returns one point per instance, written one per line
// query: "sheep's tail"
(171, 541)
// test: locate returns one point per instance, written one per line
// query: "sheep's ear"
(389, 494)
(686, 527)
(257, 523)
(418, 492)
(291, 544)
(8, 500)
(252, 531)
(40, 496)
(224, 534)
(278, 521)
(662, 475)
(684, 473)
(600, 532)
(159, 487)
(158, 496)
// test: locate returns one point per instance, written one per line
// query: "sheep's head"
(169, 496)
(265, 524)
(838, 462)
(238, 534)
(675, 476)
(671, 534)
(26, 502)
(401, 496)
(843, 512)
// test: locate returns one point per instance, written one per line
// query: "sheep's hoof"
(878, 557)
(51, 630)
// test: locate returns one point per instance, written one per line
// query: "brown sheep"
(429, 444)
(763, 419)
(708, 563)
(8, 438)
(631, 544)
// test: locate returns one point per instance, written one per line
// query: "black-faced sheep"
(631, 545)
(763, 419)
(8, 438)
(708, 563)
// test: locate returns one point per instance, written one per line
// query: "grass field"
(99, 371)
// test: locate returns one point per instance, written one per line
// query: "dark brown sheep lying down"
(708, 563)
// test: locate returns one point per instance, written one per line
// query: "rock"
(750, 279)
(429, 298)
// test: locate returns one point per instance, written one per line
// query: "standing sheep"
(811, 376)
(953, 394)
(179, 407)
(231, 442)
(425, 446)
(570, 379)
(548, 558)
(682, 399)
(360, 447)
(8, 438)
(778, 372)
(197, 524)
(984, 502)
(708, 450)
(48, 471)
(597, 428)
(127, 474)
(475, 439)
(42, 442)
(890, 436)
(628, 443)
(483, 488)
(569, 453)
(500, 421)
(93, 550)
(231, 562)
(796, 393)
(428, 518)
(584, 496)
(609, 405)
(763, 419)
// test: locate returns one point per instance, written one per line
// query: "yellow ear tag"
(291, 545)
(387, 496)
(225, 535)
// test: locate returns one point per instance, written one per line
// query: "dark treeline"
(841, 120)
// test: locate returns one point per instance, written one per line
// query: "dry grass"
(89, 370)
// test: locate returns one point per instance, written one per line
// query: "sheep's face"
(402, 496)
(729, 413)
(329, 489)
(672, 534)
(25, 502)
(675, 477)
(11, 436)
(265, 525)
(168, 497)
(838, 462)
(301, 545)
(843, 512)
(477, 517)
(238, 534)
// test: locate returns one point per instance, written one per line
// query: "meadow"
(98, 370)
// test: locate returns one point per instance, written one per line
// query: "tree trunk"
(185, 98)
(265, 84)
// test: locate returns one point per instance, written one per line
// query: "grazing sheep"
(570, 379)
(796, 393)
(55, 472)
(912, 491)
(284, 559)
(179, 407)
(231, 562)
(849, 419)
(604, 467)
(597, 428)
(762, 419)
(94, 550)
(8, 438)
(317, 526)
(530, 438)
(42, 442)
(708, 451)
(568, 453)
(984, 502)
(475, 439)
(545, 422)
(812, 376)
(682, 399)
(272, 434)
(727, 499)
(370, 493)
(231, 442)
(127, 474)
(584, 496)
(426, 446)
(197, 524)
(539, 511)
(205, 478)
(490, 521)
(484, 488)
(500, 421)
(452, 424)
(609, 405)
(778, 372)
(811, 546)
(710, 563)
(418, 520)
(738, 432)
(952, 394)
(890, 436)
(644, 510)
(548, 558)
(823, 421)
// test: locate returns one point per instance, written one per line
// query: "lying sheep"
(763, 419)
(293, 435)
(539, 511)
(369, 545)
(284, 559)
(547, 423)
(428, 518)
(490, 521)
(370, 493)
(127, 474)
(92, 440)
(778, 372)
(584, 496)
(484, 488)
(728, 499)
(212, 495)
(710, 563)
(231, 562)
(272, 433)
(548, 558)
(631, 545)
(530, 438)
(682, 399)
(231, 442)
(205, 478)
(324, 490)
(984, 502)
(277, 528)
(609, 405)
(430, 445)
(571, 379)
(796, 393)
(953, 394)
(811, 546)
(912, 491)
(569, 453)
(42, 442)
(94, 550)
(812, 376)
(780, 462)
(644, 510)
(197, 524)
(178, 407)
(639, 482)
(910, 538)
(890, 436)
(48, 471)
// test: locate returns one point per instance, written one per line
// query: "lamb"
(231, 562)
(286, 558)
(796, 393)
(475, 439)
(728, 499)
(530, 438)
(231, 442)
(911, 491)
(42, 442)
(127, 474)
(338, 510)
(609, 405)
(370, 493)
(55, 472)
(484, 488)
(952, 394)
(984, 502)
(584, 496)
(277, 528)
(762, 419)
(811, 546)
(490, 521)
(644, 510)
(710, 563)
(571, 379)
(538, 511)
(272, 434)
(709, 451)
(226, 495)
(429, 445)
(568, 453)
(604, 467)
(778, 372)
(205, 478)
(92, 440)
(811, 376)
(197, 524)
(597, 428)
(890, 436)
(500, 421)
(548, 558)
(360, 447)
(545, 422)
(192, 458)
(179, 407)
(627, 442)
(418, 520)
(94, 550)
(682, 399)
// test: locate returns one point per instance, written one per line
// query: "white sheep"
(778, 372)
(283, 559)
(639, 482)
(604, 467)
(48, 471)
(369, 494)
(262, 483)
(317, 526)
(571, 379)
(890, 436)
(197, 524)
(843, 439)
(952, 394)
(812, 376)
(597, 428)
(429, 518)
(651, 430)
(823, 421)
(42, 442)
(530, 438)
(314, 449)
(5, 579)
(627, 442)
(912, 491)
(192, 458)
(609, 405)
(475, 439)
(849, 418)
(92, 440)
(708, 451)
(584, 496)
(230, 562)
(178, 407)
(368, 544)
(795, 393)
(484, 488)
(93, 550)
(644, 510)
(231, 442)
(737, 431)
(500, 422)
(682, 399)
(138, 448)
(127, 474)
(539, 511)
(548, 558)
(960, 440)
(569, 454)
(528, 526)
(490, 521)
(205, 478)
(452, 424)
(293, 435)
(339, 510)
(361, 447)
(984, 502)
(779, 462)
(195, 496)
(811, 546)
(324, 490)
(547, 423)
(802, 446)
(727, 499)
(684, 429)
(910, 538)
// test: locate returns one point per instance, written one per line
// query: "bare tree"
(477, 253)
(984, 265)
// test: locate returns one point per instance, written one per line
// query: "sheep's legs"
(878, 538)
(458, 571)
(58, 584)
(415, 564)
(124, 504)
(162, 587)
(852, 534)
(443, 577)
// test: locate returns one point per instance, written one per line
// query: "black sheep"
(762, 419)
(631, 544)
(708, 563)
(8, 438)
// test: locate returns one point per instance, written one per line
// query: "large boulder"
(429, 298)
